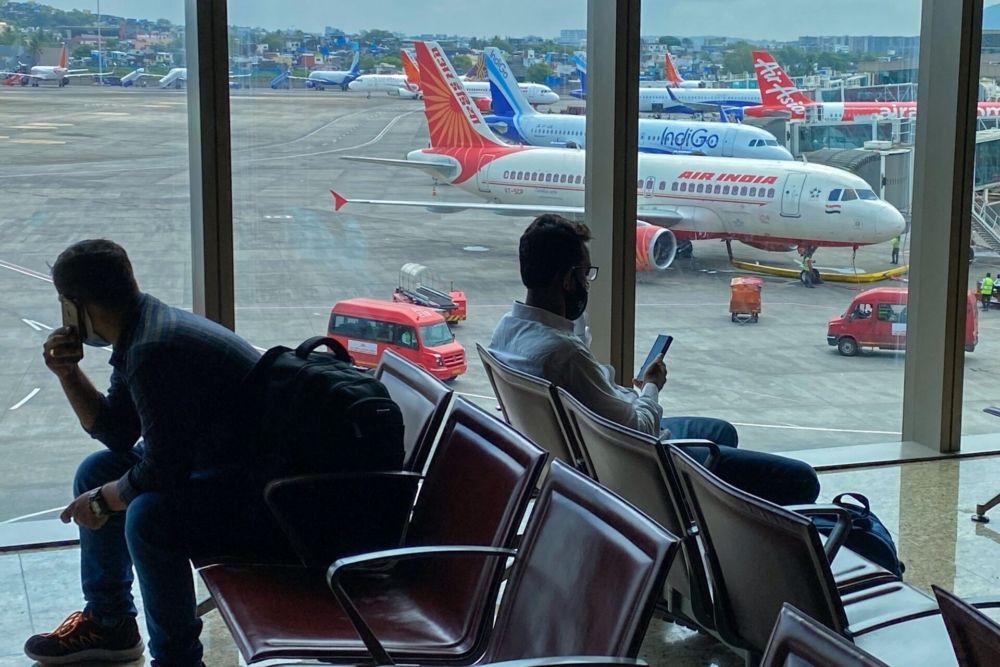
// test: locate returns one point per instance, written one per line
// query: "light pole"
(100, 53)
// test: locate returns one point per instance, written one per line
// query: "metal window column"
(610, 200)
(209, 146)
(950, 38)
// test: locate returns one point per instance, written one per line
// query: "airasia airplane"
(780, 97)
(39, 73)
(767, 204)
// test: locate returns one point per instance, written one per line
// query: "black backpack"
(868, 537)
(312, 412)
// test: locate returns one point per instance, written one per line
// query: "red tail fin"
(410, 68)
(776, 89)
(62, 57)
(452, 116)
(670, 72)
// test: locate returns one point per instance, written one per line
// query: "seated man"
(538, 337)
(184, 491)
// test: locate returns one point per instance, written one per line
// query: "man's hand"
(79, 511)
(656, 373)
(62, 352)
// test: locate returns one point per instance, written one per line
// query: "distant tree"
(382, 37)
(275, 40)
(395, 61)
(462, 62)
(501, 44)
(537, 72)
(367, 62)
(669, 41)
(35, 44)
(81, 52)
(737, 59)
(163, 24)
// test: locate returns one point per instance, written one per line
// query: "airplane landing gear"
(809, 275)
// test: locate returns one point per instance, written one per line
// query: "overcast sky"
(760, 19)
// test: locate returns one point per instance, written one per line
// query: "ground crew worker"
(986, 291)
(806, 264)
(895, 250)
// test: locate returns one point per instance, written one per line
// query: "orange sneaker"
(81, 638)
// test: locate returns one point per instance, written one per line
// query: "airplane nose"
(351, 86)
(551, 98)
(891, 222)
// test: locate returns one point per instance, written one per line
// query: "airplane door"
(483, 173)
(647, 190)
(728, 139)
(791, 195)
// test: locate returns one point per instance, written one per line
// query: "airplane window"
(638, 184)
(753, 192)
(770, 193)
(867, 195)
(534, 175)
(562, 179)
(649, 183)
(684, 187)
(743, 191)
(718, 188)
(663, 185)
(506, 174)
(674, 186)
(548, 178)
(834, 195)
(578, 179)
(725, 189)
(849, 195)
(520, 175)
(772, 142)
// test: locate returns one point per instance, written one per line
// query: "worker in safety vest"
(895, 250)
(986, 291)
(806, 264)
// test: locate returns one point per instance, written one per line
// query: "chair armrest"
(931, 609)
(335, 572)
(566, 661)
(993, 410)
(688, 443)
(332, 515)
(840, 531)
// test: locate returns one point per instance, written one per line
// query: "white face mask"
(90, 337)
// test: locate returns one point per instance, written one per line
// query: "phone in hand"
(71, 318)
(660, 346)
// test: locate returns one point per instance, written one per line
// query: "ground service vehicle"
(421, 286)
(368, 327)
(877, 318)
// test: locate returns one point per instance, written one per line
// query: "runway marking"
(36, 325)
(25, 271)
(377, 138)
(110, 113)
(42, 142)
(34, 514)
(465, 393)
(816, 428)
(25, 399)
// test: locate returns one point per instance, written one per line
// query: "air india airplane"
(479, 91)
(780, 97)
(58, 73)
(767, 204)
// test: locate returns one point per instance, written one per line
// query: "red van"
(877, 318)
(367, 327)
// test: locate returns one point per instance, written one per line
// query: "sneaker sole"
(91, 655)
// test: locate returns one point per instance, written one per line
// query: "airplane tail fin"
(452, 116)
(355, 61)
(508, 100)
(410, 68)
(776, 89)
(63, 60)
(670, 71)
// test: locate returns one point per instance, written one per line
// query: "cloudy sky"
(764, 19)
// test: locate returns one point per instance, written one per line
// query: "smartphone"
(71, 318)
(660, 346)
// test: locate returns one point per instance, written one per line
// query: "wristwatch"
(98, 505)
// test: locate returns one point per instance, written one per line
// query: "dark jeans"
(214, 514)
(776, 478)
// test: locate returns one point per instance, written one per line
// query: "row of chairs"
(418, 556)
(741, 558)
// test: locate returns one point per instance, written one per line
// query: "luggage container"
(421, 286)
(744, 299)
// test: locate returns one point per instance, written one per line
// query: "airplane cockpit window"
(867, 195)
(771, 142)
(849, 195)
(835, 195)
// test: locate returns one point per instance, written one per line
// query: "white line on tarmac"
(25, 399)
(465, 393)
(28, 272)
(36, 325)
(33, 514)
(816, 428)
(377, 138)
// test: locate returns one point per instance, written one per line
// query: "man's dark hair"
(96, 271)
(550, 246)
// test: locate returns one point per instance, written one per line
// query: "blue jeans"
(776, 478)
(214, 514)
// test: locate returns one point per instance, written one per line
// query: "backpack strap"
(861, 499)
(310, 344)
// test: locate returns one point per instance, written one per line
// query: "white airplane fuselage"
(667, 99)
(393, 84)
(535, 92)
(758, 200)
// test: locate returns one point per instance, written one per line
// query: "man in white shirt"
(538, 337)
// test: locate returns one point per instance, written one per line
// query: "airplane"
(782, 98)
(392, 84)
(768, 204)
(479, 91)
(673, 77)
(39, 73)
(517, 121)
(319, 79)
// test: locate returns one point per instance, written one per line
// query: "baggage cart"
(744, 299)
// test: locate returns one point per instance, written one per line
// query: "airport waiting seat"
(528, 405)
(761, 556)
(583, 582)
(798, 639)
(475, 491)
(975, 637)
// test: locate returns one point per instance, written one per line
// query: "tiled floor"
(925, 505)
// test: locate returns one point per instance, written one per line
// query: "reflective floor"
(927, 507)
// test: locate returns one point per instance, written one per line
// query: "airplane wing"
(434, 169)
(340, 201)
(83, 73)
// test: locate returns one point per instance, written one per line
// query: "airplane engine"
(771, 247)
(408, 94)
(483, 104)
(655, 247)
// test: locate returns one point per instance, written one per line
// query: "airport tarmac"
(85, 161)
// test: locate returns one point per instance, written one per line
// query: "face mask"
(576, 300)
(90, 337)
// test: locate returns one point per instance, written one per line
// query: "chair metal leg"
(981, 510)
(205, 606)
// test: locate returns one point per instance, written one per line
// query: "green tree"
(395, 61)
(462, 62)
(738, 59)
(537, 72)
(669, 41)
(367, 62)
(81, 52)
(501, 44)
(35, 44)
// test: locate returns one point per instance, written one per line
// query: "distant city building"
(895, 45)
(572, 37)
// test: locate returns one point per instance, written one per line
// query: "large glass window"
(318, 141)
(760, 280)
(93, 147)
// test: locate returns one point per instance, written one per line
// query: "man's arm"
(586, 380)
